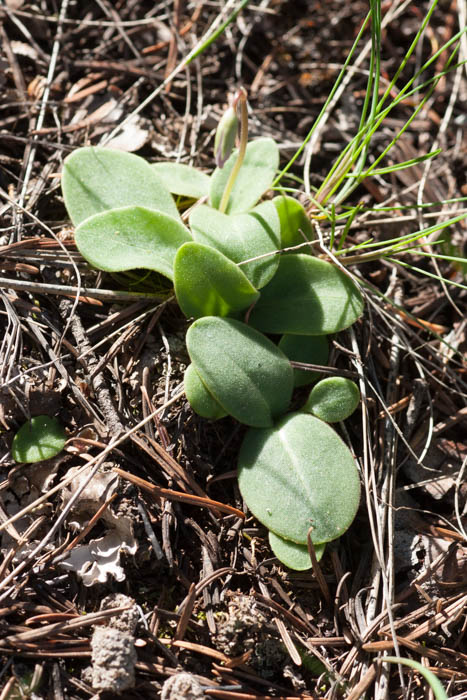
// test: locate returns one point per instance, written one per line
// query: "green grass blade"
(432, 680)
(409, 52)
(398, 166)
(335, 87)
(414, 268)
(211, 37)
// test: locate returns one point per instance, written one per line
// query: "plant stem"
(241, 150)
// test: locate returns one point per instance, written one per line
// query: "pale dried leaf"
(132, 137)
(21, 49)
(100, 489)
(96, 561)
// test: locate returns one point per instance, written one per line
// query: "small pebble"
(183, 686)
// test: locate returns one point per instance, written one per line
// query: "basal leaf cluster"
(256, 308)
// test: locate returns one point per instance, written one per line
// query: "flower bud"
(225, 136)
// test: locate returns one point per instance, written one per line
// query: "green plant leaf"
(255, 176)
(296, 227)
(209, 284)
(98, 179)
(299, 474)
(242, 237)
(40, 438)
(307, 296)
(199, 398)
(131, 237)
(333, 399)
(183, 179)
(312, 664)
(244, 371)
(313, 349)
(293, 555)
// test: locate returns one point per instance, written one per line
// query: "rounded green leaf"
(40, 438)
(129, 238)
(313, 349)
(299, 474)
(209, 284)
(98, 179)
(242, 237)
(307, 296)
(255, 177)
(244, 371)
(199, 398)
(183, 179)
(333, 399)
(296, 227)
(293, 555)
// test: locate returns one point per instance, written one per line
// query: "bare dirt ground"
(211, 599)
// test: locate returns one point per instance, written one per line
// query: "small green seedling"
(243, 268)
(333, 399)
(40, 438)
